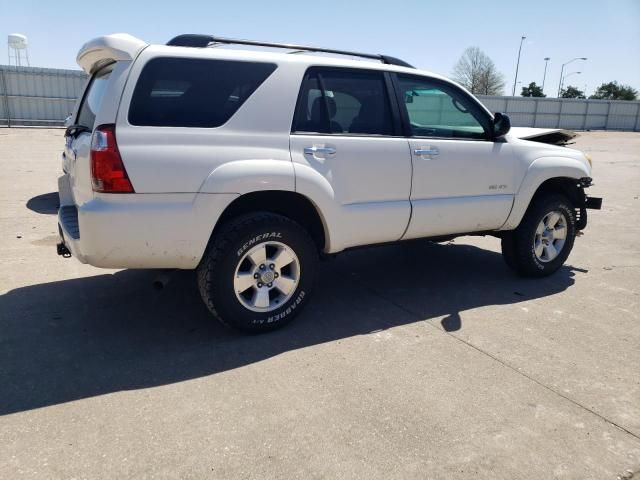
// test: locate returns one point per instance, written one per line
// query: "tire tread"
(221, 242)
(516, 247)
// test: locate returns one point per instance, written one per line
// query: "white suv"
(247, 165)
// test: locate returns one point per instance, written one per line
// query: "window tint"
(439, 110)
(343, 101)
(93, 97)
(185, 92)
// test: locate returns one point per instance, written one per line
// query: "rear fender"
(246, 176)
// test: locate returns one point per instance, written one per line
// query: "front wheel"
(544, 239)
(258, 272)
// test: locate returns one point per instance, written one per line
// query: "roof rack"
(200, 41)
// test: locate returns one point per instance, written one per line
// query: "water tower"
(17, 49)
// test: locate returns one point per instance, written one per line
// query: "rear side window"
(186, 92)
(93, 97)
(343, 101)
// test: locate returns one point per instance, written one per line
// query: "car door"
(347, 131)
(462, 179)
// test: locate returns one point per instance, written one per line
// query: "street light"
(562, 70)
(546, 62)
(515, 80)
(567, 75)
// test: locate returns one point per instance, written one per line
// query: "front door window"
(439, 110)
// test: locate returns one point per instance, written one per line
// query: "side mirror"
(501, 125)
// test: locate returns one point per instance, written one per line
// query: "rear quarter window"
(93, 97)
(186, 92)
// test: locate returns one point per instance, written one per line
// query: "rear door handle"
(426, 151)
(319, 150)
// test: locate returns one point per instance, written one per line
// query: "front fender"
(539, 171)
(245, 176)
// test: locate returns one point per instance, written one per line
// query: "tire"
(509, 251)
(535, 251)
(238, 250)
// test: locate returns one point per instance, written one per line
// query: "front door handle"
(426, 151)
(315, 150)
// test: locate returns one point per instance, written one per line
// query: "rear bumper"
(141, 230)
(69, 232)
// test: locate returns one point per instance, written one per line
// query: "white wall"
(569, 113)
(46, 96)
(38, 96)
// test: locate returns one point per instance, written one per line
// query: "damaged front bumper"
(591, 203)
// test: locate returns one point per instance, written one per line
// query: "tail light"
(108, 174)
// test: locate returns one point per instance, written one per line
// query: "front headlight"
(588, 157)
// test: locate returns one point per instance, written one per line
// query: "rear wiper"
(75, 130)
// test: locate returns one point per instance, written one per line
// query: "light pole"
(546, 62)
(567, 75)
(515, 80)
(562, 70)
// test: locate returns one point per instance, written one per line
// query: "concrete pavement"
(416, 360)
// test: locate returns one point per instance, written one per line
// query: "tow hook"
(62, 249)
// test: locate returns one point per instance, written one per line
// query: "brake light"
(108, 174)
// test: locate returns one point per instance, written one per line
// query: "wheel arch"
(548, 175)
(246, 176)
(292, 205)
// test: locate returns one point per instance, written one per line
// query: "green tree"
(571, 92)
(615, 91)
(532, 90)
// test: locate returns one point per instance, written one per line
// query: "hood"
(552, 136)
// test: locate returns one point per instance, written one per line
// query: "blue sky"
(428, 34)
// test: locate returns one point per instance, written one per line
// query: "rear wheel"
(544, 239)
(258, 272)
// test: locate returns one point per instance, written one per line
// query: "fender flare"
(245, 176)
(539, 171)
(319, 191)
(249, 176)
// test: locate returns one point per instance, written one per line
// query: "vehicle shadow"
(79, 338)
(46, 204)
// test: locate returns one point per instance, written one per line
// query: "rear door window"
(93, 97)
(344, 101)
(186, 92)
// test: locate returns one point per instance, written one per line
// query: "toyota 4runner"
(246, 165)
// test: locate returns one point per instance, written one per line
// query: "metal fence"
(38, 96)
(46, 96)
(569, 113)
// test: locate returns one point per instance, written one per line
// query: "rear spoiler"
(107, 49)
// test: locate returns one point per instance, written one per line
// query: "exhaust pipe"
(163, 279)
